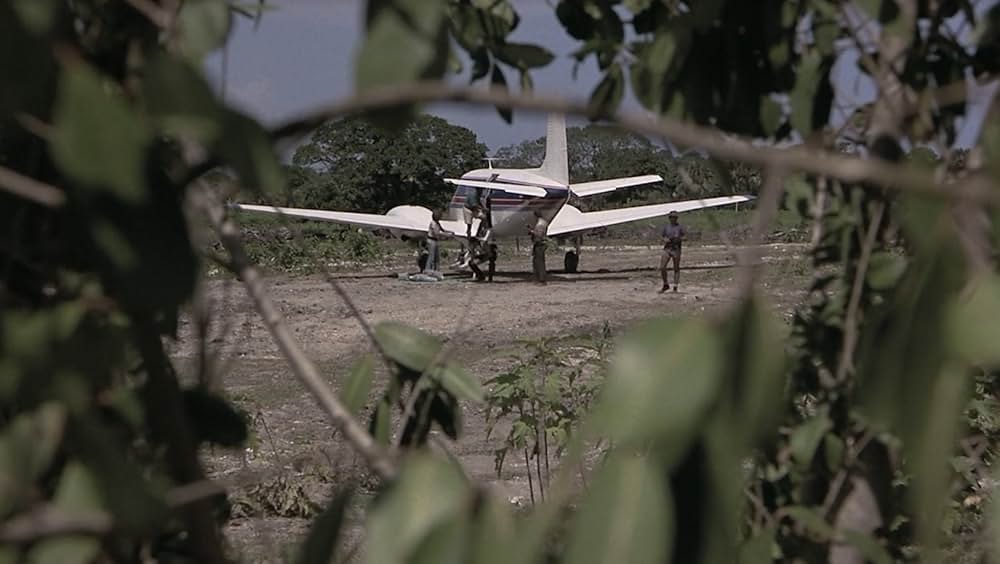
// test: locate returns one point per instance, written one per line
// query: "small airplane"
(514, 196)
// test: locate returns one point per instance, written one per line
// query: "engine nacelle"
(416, 214)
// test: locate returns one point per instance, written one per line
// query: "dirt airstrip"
(294, 449)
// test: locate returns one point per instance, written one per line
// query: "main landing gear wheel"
(571, 261)
(422, 261)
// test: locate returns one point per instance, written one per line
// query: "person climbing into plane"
(473, 209)
(485, 249)
(673, 236)
(435, 234)
(538, 232)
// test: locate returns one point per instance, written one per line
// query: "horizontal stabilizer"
(510, 188)
(572, 220)
(585, 189)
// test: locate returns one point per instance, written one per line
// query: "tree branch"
(715, 142)
(378, 459)
(851, 321)
(163, 399)
(767, 209)
(30, 189)
(47, 520)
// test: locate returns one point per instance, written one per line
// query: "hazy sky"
(302, 54)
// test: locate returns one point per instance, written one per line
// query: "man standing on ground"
(673, 235)
(538, 246)
(435, 233)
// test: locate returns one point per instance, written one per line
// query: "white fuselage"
(512, 214)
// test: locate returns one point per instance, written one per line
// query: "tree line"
(352, 164)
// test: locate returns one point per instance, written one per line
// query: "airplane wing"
(585, 189)
(572, 220)
(413, 220)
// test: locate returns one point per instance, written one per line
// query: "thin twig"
(841, 478)
(853, 306)
(766, 211)
(377, 458)
(715, 142)
(31, 189)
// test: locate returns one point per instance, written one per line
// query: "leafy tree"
(354, 165)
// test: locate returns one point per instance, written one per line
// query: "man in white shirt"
(435, 233)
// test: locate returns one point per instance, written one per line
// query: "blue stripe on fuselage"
(509, 199)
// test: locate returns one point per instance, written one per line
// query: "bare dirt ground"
(294, 446)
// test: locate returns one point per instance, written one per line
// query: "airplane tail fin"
(555, 166)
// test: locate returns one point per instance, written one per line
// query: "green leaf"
(38, 16)
(77, 494)
(358, 385)
(812, 521)
(98, 139)
(974, 322)
(577, 22)
(758, 549)
(624, 517)
(803, 95)
(662, 382)
(705, 12)
(636, 6)
(885, 270)
(407, 41)
(806, 438)
(444, 544)
(523, 55)
(870, 549)
(649, 73)
(38, 435)
(779, 54)
(754, 341)
(202, 26)
(27, 448)
(407, 346)
(500, 83)
(247, 148)
(428, 493)
(770, 115)
(459, 383)
(181, 101)
(213, 419)
(321, 543)
(870, 8)
(527, 85)
(607, 96)
(826, 32)
(833, 450)
(493, 535)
